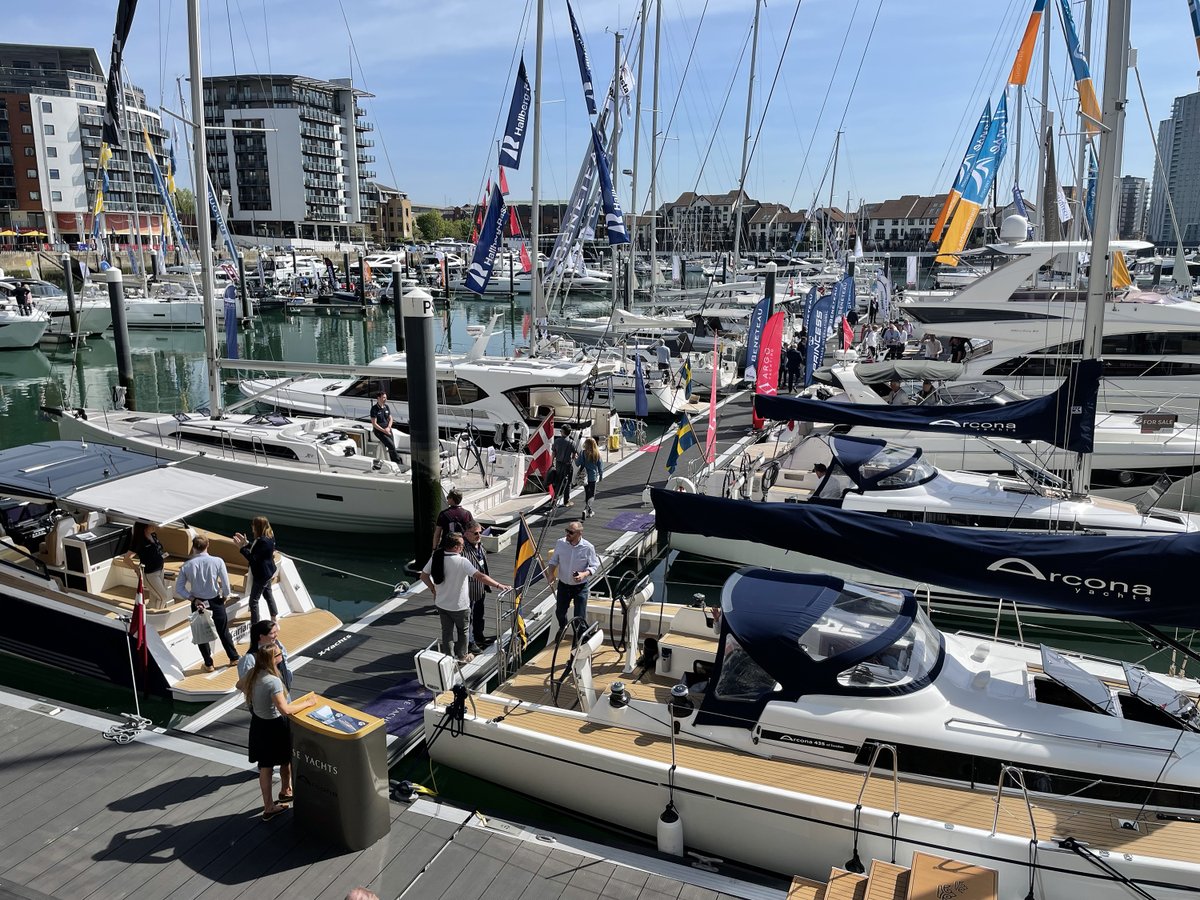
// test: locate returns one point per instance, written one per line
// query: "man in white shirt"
(575, 562)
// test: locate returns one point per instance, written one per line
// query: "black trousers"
(216, 606)
(477, 616)
(563, 477)
(386, 439)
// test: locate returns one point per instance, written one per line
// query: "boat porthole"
(1126, 478)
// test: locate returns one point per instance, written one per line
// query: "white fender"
(679, 483)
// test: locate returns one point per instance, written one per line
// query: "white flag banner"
(627, 85)
(910, 278)
(676, 269)
(1064, 208)
(858, 251)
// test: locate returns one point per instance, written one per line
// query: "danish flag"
(539, 449)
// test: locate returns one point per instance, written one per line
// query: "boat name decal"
(1014, 565)
(805, 741)
(978, 426)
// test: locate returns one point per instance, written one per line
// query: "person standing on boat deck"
(454, 519)
(151, 555)
(446, 574)
(563, 452)
(204, 580)
(21, 295)
(663, 353)
(932, 347)
(262, 634)
(784, 377)
(381, 422)
(896, 395)
(796, 358)
(474, 552)
(927, 390)
(260, 553)
(893, 339)
(871, 343)
(270, 742)
(574, 563)
(593, 469)
(873, 311)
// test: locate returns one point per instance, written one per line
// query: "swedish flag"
(685, 438)
(685, 377)
(528, 570)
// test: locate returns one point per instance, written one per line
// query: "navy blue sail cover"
(1066, 418)
(1136, 579)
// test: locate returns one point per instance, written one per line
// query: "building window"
(24, 104)
(29, 151)
(48, 128)
(54, 173)
(56, 195)
(52, 152)
(31, 173)
(35, 195)
(26, 129)
(47, 106)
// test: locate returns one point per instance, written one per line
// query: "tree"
(431, 226)
(185, 202)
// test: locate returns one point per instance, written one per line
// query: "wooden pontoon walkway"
(388, 638)
(169, 817)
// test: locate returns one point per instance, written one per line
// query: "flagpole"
(654, 160)
(740, 200)
(612, 156)
(536, 298)
(1047, 122)
(637, 134)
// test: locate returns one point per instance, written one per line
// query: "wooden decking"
(532, 683)
(1092, 823)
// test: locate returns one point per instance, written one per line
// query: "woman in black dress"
(151, 555)
(270, 731)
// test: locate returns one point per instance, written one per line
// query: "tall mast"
(837, 142)
(1112, 133)
(537, 300)
(612, 155)
(737, 229)
(203, 217)
(637, 134)
(1081, 155)
(1047, 122)
(654, 158)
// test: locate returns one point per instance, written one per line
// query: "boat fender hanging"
(670, 832)
(681, 484)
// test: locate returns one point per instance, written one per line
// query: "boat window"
(368, 387)
(974, 392)
(459, 392)
(741, 677)
(910, 658)
(916, 471)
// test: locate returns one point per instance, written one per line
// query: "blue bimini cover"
(1138, 579)
(53, 469)
(1066, 418)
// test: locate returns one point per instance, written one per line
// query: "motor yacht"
(67, 518)
(20, 330)
(94, 315)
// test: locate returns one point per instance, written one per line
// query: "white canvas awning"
(161, 495)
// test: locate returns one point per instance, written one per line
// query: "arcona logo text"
(978, 426)
(320, 764)
(1014, 565)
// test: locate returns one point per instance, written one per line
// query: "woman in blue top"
(593, 467)
(261, 555)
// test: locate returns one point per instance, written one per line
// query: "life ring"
(681, 484)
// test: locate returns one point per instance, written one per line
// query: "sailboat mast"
(837, 141)
(203, 219)
(737, 230)
(654, 158)
(1116, 71)
(637, 134)
(537, 300)
(1047, 122)
(612, 155)
(1081, 154)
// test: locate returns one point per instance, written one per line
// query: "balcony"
(364, 143)
(363, 126)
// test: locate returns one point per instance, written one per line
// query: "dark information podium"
(339, 765)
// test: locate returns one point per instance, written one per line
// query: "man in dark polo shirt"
(381, 421)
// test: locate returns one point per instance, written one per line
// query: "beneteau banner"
(1066, 418)
(490, 238)
(513, 141)
(758, 321)
(614, 218)
(1135, 579)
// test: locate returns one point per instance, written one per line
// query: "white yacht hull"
(19, 332)
(151, 313)
(95, 317)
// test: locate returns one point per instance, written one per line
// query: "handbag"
(203, 629)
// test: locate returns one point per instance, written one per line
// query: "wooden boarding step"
(887, 881)
(934, 877)
(845, 885)
(805, 889)
(930, 878)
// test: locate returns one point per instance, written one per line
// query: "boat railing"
(1018, 777)
(855, 863)
(257, 443)
(1072, 738)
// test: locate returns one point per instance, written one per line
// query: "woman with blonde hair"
(270, 743)
(593, 468)
(260, 553)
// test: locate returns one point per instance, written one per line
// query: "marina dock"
(171, 816)
(375, 656)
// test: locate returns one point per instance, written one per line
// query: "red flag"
(847, 334)
(710, 438)
(526, 265)
(137, 628)
(525, 326)
(479, 217)
(474, 235)
(769, 351)
(539, 449)
(503, 182)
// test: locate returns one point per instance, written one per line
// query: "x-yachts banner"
(214, 209)
(513, 141)
(491, 236)
(161, 184)
(1136, 579)
(614, 218)
(1065, 418)
(585, 65)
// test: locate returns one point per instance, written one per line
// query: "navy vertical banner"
(513, 141)
(114, 95)
(641, 403)
(585, 65)
(231, 322)
(758, 321)
(614, 219)
(490, 238)
(843, 297)
(818, 314)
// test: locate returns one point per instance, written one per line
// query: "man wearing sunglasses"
(574, 563)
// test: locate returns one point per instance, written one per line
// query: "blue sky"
(441, 72)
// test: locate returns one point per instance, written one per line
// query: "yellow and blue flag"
(1088, 105)
(528, 570)
(1020, 69)
(106, 154)
(964, 172)
(978, 183)
(685, 438)
(685, 377)
(171, 170)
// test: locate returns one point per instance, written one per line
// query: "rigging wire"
(721, 114)
(363, 74)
